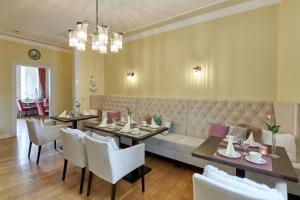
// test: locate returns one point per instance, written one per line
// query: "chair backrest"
(32, 130)
(41, 109)
(216, 184)
(99, 159)
(74, 147)
(20, 105)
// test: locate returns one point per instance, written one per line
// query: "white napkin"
(126, 128)
(250, 140)
(63, 114)
(103, 123)
(153, 124)
(230, 149)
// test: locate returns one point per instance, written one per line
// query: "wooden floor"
(21, 178)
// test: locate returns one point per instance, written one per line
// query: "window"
(30, 86)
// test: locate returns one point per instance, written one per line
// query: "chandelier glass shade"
(100, 38)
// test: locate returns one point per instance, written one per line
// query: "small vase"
(273, 154)
(129, 119)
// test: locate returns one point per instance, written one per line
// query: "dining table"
(145, 132)
(73, 119)
(281, 167)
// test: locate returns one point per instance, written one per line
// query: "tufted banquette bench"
(191, 120)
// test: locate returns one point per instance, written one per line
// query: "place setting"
(253, 158)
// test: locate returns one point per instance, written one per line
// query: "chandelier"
(100, 38)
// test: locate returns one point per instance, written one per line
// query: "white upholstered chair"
(74, 151)
(41, 133)
(215, 184)
(112, 165)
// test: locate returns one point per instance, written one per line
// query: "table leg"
(136, 174)
(74, 124)
(240, 173)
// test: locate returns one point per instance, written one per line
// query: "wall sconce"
(197, 70)
(130, 75)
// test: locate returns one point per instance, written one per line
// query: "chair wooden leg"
(65, 169)
(143, 178)
(89, 183)
(29, 150)
(113, 191)
(82, 179)
(39, 153)
(54, 144)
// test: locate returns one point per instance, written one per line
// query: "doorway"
(31, 86)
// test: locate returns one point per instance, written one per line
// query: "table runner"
(242, 161)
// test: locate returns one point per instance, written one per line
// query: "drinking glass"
(114, 121)
(245, 144)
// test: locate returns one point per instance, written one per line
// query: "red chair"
(24, 110)
(41, 110)
(46, 103)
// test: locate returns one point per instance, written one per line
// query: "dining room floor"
(21, 178)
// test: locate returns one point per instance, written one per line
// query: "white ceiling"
(49, 20)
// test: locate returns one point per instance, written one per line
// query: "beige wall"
(238, 54)
(289, 54)
(60, 63)
(91, 64)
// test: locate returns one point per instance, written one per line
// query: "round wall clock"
(34, 54)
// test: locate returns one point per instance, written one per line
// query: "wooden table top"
(282, 167)
(144, 132)
(73, 118)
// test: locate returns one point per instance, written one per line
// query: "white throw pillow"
(285, 140)
(109, 140)
(242, 184)
(168, 125)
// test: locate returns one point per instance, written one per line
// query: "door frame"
(49, 69)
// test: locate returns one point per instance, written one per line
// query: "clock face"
(34, 54)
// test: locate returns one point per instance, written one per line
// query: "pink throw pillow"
(113, 115)
(218, 130)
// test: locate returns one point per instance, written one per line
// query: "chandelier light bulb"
(72, 38)
(82, 31)
(118, 37)
(81, 45)
(103, 34)
(95, 42)
(103, 49)
(113, 46)
(100, 39)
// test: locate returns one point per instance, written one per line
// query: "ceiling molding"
(33, 42)
(231, 10)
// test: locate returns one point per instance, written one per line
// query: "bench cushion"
(164, 141)
(187, 144)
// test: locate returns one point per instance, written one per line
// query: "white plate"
(234, 141)
(222, 152)
(256, 144)
(156, 127)
(260, 162)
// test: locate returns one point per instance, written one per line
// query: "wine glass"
(245, 144)
(114, 122)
